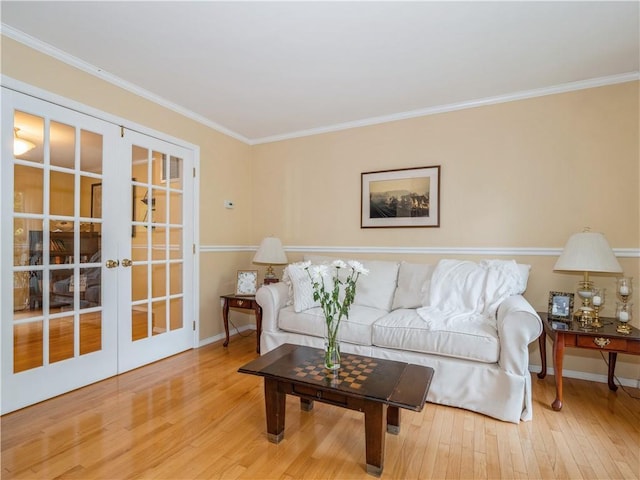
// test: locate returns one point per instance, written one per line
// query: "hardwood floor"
(194, 416)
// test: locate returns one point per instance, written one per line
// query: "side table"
(565, 334)
(247, 302)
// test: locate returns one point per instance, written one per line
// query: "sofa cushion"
(414, 281)
(356, 329)
(374, 290)
(404, 329)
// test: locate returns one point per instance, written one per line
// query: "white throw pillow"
(414, 281)
(524, 270)
(302, 289)
(377, 288)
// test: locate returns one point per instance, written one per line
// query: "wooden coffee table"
(370, 385)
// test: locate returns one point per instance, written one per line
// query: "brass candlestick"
(624, 310)
(597, 301)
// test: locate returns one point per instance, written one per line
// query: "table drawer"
(601, 343)
(240, 303)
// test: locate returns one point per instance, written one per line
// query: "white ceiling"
(262, 71)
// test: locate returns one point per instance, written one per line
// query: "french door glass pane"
(61, 333)
(90, 332)
(28, 188)
(90, 152)
(175, 313)
(30, 128)
(62, 145)
(28, 349)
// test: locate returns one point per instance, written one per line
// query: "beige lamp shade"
(270, 252)
(588, 252)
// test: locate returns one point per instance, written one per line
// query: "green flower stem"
(333, 308)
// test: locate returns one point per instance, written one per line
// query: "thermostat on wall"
(228, 204)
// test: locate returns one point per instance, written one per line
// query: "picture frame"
(406, 197)
(96, 200)
(246, 282)
(560, 306)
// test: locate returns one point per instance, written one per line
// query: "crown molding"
(510, 97)
(65, 57)
(477, 251)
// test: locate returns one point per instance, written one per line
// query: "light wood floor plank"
(192, 416)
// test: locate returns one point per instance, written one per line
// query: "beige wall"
(524, 174)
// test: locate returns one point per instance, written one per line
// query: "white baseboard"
(593, 377)
(220, 336)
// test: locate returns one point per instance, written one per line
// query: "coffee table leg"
(306, 405)
(393, 420)
(275, 403)
(374, 414)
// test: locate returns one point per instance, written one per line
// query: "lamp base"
(267, 281)
(585, 316)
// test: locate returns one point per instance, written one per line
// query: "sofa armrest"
(272, 298)
(518, 326)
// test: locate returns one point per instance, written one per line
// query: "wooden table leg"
(374, 413)
(258, 311)
(225, 320)
(306, 405)
(558, 356)
(542, 345)
(275, 404)
(613, 356)
(393, 420)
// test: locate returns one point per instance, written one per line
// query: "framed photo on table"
(247, 282)
(560, 306)
(408, 197)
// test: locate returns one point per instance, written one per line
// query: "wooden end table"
(247, 302)
(571, 334)
(374, 386)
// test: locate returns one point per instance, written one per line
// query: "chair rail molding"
(505, 251)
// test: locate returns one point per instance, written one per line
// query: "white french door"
(96, 262)
(156, 296)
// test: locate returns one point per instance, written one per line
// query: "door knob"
(126, 262)
(112, 263)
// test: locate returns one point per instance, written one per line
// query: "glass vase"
(332, 345)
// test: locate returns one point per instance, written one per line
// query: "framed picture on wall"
(96, 200)
(408, 197)
(247, 282)
(560, 306)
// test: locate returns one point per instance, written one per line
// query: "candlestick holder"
(584, 315)
(624, 314)
(624, 311)
(598, 301)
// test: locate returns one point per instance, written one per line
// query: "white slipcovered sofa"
(480, 359)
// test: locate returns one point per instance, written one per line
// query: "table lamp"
(587, 252)
(270, 253)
